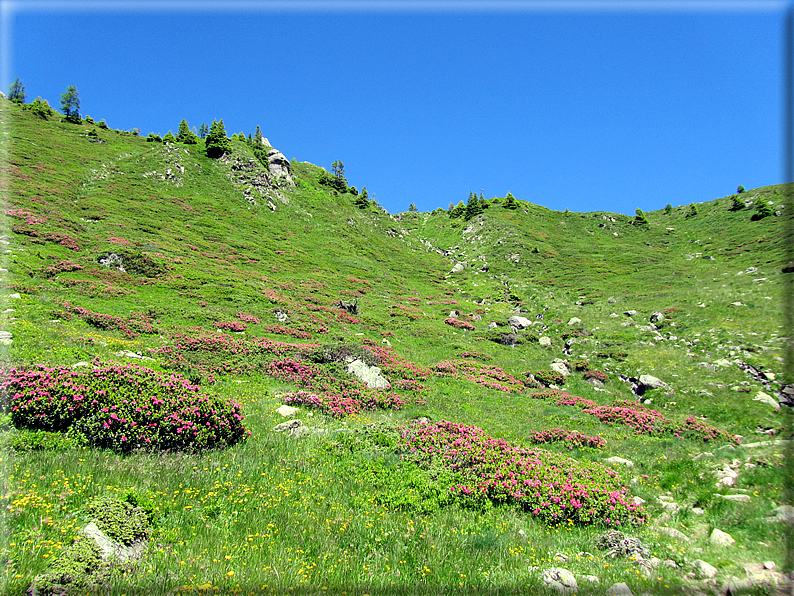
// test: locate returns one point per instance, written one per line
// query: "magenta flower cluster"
(641, 418)
(248, 318)
(122, 407)
(571, 438)
(457, 323)
(230, 325)
(132, 326)
(60, 267)
(486, 375)
(551, 486)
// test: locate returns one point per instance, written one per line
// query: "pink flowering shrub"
(132, 326)
(231, 325)
(599, 375)
(641, 418)
(474, 355)
(551, 486)
(395, 366)
(486, 375)
(60, 267)
(459, 324)
(571, 438)
(248, 318)
(121, 407)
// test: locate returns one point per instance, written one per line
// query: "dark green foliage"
(154, 138)
(258, 138)
(16, 92)
(740, 189)
(24, 440)
(693, 210)
(78, 568)
(120, 520)
(737, 203)
(217, 142)
(70, 105)
(339, 169)
(458, 211)
(343, 352)
(473, 207)
(169, 137)
(40, 108)
(549, 377)
(640, 219)
(203, 130)
(762, 210)
(140, 264)
(668, 209)
(361, 201)
(510, 201)
(185, 135)
(413, 208)
(102, 123)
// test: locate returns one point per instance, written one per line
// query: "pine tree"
(70, 104)
(510, 201)
(413, 208)
(258, 136)
(640, 219)
(16, 92)
(737, 203)
(693, 210)
(203, 130)
(473, 207)
(668, 209)
(217, 141)
(185, 135)
(169, 137)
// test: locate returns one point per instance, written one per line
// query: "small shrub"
(343, 352)
(693, 210)
(762, 210)
(571, 438)
(581, 365)
(737, 203)
(119, 520)
(548, 377)
(599, 375)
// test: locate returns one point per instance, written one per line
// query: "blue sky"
(584, 105)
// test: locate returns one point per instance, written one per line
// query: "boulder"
(766, 399)
(545, 342)
(287, 411)
(651, 382)
(619, 460)
(368, 374)
(620, 589)
(288, 426)
(630, 313)
(111, 548)
(519, 322)
(720, 538)
(657, 317)
(673, 533)
(703, 570)
(458, 267)
(784, 513)
(560, 579)
(278, 164)
(560, 367)
(575, 321)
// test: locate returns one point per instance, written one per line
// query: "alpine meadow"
(225, 372)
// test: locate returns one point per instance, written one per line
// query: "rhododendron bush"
(121, 407)
(551, 486)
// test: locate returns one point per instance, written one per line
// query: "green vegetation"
(203, 291)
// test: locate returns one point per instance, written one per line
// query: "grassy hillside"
(161, 306)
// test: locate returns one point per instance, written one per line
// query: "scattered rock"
(723, 362)
(737, 498)
(736, 304)
(458, 267)
(630, 313)
(128, 354)
(784, 513)
(294, 428)
(767, 399)
(111, 548)
(657, 317)
(651, 382)
(13, 296)
(545, 342)
(673, 533)
(368, 374)
(617, 543)
(620, 589)
(703, 570)
(519, 322)
(575, 321)
(560, 579)
(287, 411)
(560, 367)
(619, 460)
(720, 538)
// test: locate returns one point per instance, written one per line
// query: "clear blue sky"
(606, 107)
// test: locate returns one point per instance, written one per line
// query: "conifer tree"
(217, 141)
(16, 92)
(185, 135)
(413, 208)
(473, 207)
(203, 130)
(70, 104)
(640, 219)
(258, 136)
(510, 201)
(737, 203)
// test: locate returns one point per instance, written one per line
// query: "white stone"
(703, 570)
(766, 399)
(652, 382)
(545, 341)
(619, 460)
(560, 579)
(620, 589)
(720, 538)
(519, 322)
(574, 321)
(737, 498)
(673, 533)
(14, 296)
(560, 367)
(287, 411)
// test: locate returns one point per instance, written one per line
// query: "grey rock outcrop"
(560, 579)
(368, 374)
(519, 322)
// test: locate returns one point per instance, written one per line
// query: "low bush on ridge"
(571, 438)
(121, 407)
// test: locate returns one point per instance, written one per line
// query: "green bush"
(119, 520)
(40, 108)
(549, 377)
(762, 210)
